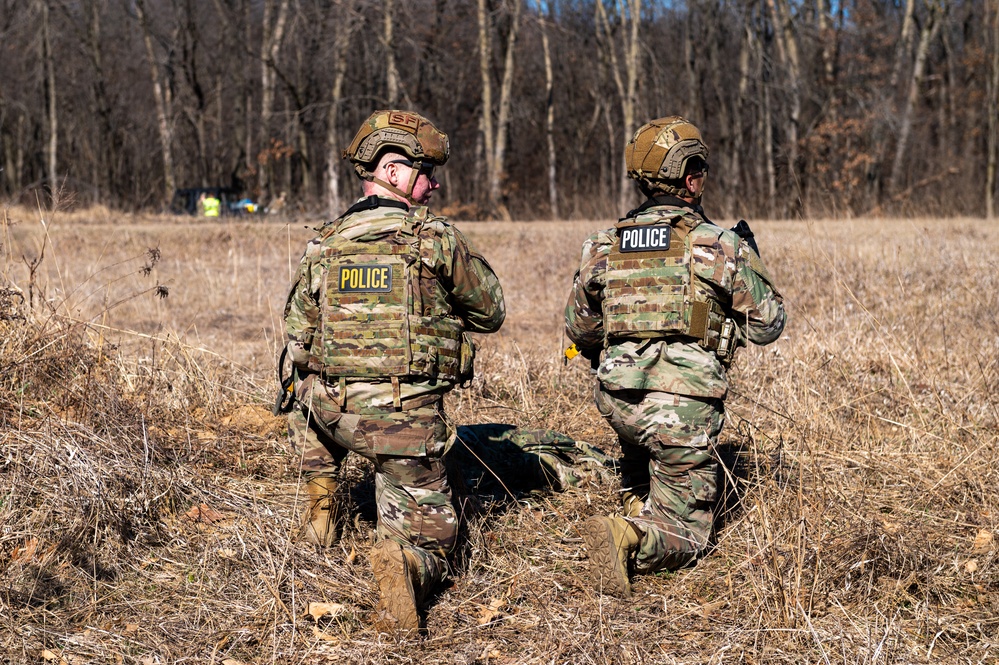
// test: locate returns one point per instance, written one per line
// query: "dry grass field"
(147, 495)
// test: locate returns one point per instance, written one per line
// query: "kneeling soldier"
(668, 296)
(377, 319)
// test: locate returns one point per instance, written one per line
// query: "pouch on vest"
(466, 370)
(650, 291)
(365, 329)
(373, 319)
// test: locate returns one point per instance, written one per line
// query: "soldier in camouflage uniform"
(668, 297)
(377, 322)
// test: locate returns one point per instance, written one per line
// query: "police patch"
(365, 278)
(645, 238)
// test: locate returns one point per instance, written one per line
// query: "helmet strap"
(679, 192)
(408, 194)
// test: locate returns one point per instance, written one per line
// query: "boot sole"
(397, 605)
(605, 564)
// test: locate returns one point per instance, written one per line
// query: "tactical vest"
(652, 291)
(383, 312)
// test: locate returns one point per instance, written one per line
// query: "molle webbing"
(377, 319)
(653, 294)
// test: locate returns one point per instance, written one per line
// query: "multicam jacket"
(650, 350)
(457, 288)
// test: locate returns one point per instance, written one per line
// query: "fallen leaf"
(491, 611)
(971, 566)
(319, 610)
(49, 655)
(320, 635)
(204, 513)
(24, 554)
(488, 651)
(131, 627)
(707, 609)
(983, 542)
(232, 661)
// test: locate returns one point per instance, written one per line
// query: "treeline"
(810, 107)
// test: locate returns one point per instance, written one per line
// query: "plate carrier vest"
(653, 292)
(383, 313)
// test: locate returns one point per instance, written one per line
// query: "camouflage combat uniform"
(397, 424)
(663, 393)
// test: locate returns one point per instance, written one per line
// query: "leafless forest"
(811, 107)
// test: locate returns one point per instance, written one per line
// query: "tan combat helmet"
(657, 154)
(399, 131)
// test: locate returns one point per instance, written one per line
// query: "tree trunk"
(51, 111)
(270, 45)
(787, 51)
(926, 36)
(486, 118)
(549, 120)
(992, 112)
(904, 44)
(726, 121)
(949, 139)
(496, 135)
(503, 119)
(391, 72)
(161, 95)
(9, 174)
(344, 29)
(630, 16)
(767, 137)
(830, 45)
(690, 53)
(739, 183)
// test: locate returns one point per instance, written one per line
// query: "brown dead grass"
(147, 496)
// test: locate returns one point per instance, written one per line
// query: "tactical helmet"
(399, 131)
(408, 133)
(658, 153)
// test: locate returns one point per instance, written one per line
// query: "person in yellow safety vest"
(210, 205)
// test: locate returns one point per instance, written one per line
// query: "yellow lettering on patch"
(367, 278)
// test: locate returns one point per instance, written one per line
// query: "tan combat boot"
(609, 542)
(632, 504)
(322, 513)
(394, 569)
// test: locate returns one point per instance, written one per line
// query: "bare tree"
(391, 71)
(735, 164)
(495, 136)
(549, 116)
(904, 46)
(344, 28)
(51, 107)
(926, 35)
(992, 113)
(787, 51)
(272, 34)
(627, 18)
(163, 99)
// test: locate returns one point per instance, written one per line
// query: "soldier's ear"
(392, 174)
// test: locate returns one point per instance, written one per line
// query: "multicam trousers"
(666, 440)
(412, 493)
